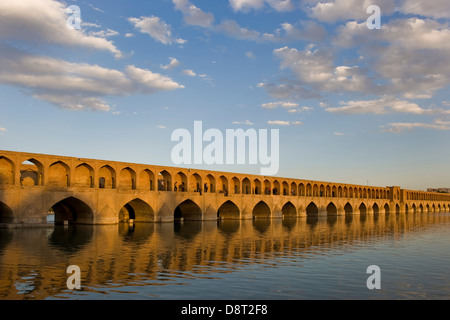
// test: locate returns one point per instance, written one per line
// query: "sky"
(352, 104)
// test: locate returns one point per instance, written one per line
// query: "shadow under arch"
(228, 211)
(288, 210)
(74, 211)
(188, 210)
(261, 210)
(137, 210)
(312, 210)
(136, 233)
(6, 214)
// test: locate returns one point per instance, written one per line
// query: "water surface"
(305, 258)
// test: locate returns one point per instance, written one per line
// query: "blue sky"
(352, 104)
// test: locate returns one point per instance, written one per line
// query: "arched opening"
(331, 209)
(414, 208)
(180, 182)
(285, 188)
(387, 209)
(348, 208)
(427, 208)
(210, 184)
(312, 210)
(301, 190)
(257, 186)
(362, 209)
(315, 190)
(228, 211)
(196, 183)
(309, 190)
(236, 185)
(164, 181)
(6, 171)
(397, 209)
(276, 188)
(107, 178)
(321, 191)
(136, 210)
(6, 214)
(288, 210)
(293, 189)
(83, 176)
(246, 187)
(127, 179)
(420, 208)
(188, 210)
(72, 210)
(58, 175)
(267, 187)
(31, 173)
(375, 208)
(261, 210)
(146, 180)
(223, 185)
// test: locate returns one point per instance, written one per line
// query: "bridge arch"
(267, 187)
(58, 175)
(31, 173)
(146, 180)
(348, 208)
(164, 181)
(387, 209)
(6, 214)
(246, 186)
(73, 210)
(294, 190)
(138, 210)
(312, 209)
(180, 182)
(375, 208)
(196, 182)
(261, 210)
(83, 176)
(107, 178)
(228, 211)
(288, 210)
(188, 210)
(285, 187)
(223, 188)
(362, 208)
(7, 171)
(257, 186)
(127, 179)
(210, 183)
(276, 188)
(236, 185)
(331, 209)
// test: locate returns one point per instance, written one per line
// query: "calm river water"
(277, 259)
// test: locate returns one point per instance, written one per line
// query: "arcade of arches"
(89, 191)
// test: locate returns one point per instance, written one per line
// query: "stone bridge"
(90, 191)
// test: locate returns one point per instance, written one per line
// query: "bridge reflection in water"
(33, 262)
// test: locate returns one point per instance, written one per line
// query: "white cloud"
(2, 129)
(45, 22)
(76, 86)
(250, 55)
(436, 9)
(402, 126)
(156, 28)
(341, 10)
(246, 122)
(160, 126)
(246, 5)
(284, 123)
(274, 105)
(299, 110)
(188, 72)
(129, 35)
(172, 64)
(193, 15)
(380, 106)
